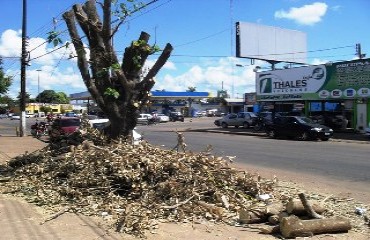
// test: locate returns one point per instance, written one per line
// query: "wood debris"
(136, 186)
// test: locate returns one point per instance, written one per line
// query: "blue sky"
(201, 31)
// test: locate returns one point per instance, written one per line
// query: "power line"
(201, 39)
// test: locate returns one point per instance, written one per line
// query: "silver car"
(242, 119)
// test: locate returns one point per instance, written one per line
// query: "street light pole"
(38, 85)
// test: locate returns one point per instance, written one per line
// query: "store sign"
(344, 80)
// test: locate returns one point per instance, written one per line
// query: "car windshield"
(70, 122)
(305, 120)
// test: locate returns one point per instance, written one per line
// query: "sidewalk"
(21, 220)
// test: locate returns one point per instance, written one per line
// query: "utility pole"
(22, 131)
(358, 51)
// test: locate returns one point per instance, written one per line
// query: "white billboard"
(270, 43)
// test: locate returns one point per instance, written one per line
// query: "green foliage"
(46, 109)
(50, 96)
(7, 100)
(5, 81)
(126, 8)
(139, 47)
(114, 66)
(111, 92)
(26, 99)
(53, 38)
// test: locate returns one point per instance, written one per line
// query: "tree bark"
(292, 226)
(118, 91)
(295, 206)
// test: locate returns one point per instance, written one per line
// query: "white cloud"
(222, 74)
(168, 65)
(10, 43)
(317, 61)
(306, 15)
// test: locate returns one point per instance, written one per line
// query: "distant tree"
(5, 99)
(27, 97)
(46, 109)
(119, 89)
(5, 81)
(50, 96)
(62, 98)
(192, 89)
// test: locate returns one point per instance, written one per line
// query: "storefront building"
(336, 94)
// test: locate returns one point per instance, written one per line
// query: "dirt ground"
(22, 220)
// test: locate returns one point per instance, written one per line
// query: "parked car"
(162, 117)
(15, 117)
(217, 122)
(242, 119)
(145, 118)
(176, 116)
(70, 114)
(3, 116)
(98, 123)
(367, 130)
(63, 126)
(101, 123)
(302, 128)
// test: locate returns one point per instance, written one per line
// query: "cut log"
(274, 219)
(270, 229)
(295, 206)
(308, 207)
(252, 216)
(274, 208)
(291, 227)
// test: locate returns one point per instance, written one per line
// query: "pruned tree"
(117, 88)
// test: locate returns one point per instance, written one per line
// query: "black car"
(176, 116)
(302, 128)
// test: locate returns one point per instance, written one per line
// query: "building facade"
(330, 92)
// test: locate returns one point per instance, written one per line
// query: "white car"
(100, 124)
(162, 118)
(145, 118)
(15, 117)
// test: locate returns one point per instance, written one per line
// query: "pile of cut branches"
(134, 185)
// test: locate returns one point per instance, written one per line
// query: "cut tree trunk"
(291, 227)
(274, 208)
(295, 206)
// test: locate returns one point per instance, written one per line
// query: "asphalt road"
(346, 161)
(7, 126)
(338, 162)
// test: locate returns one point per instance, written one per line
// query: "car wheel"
(324, 139)
(224, 125)
(246, 125)
(272, 133)
(304, 136)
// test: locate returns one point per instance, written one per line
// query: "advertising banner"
(344, 80)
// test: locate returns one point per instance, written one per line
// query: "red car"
(64, 126)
